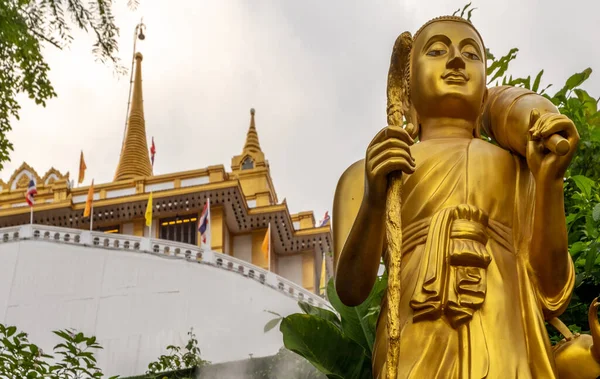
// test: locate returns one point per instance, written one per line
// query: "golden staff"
(397, 93)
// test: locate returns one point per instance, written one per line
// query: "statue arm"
(358, 237)
(549, 256)
(507, 119)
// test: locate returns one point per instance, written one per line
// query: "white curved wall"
(136, 303)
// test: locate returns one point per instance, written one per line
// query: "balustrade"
(163, 248)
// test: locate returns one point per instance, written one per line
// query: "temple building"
(243, 203)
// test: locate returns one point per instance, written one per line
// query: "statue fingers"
(393, 160)
(392, 153)
(400, 133)
(534, 124)
(381, 147)
(534, 117)
(379, 137)
(555, 123)
(394, 165)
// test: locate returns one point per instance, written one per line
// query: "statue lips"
(455, 77)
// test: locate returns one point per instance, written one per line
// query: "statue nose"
(455, 59)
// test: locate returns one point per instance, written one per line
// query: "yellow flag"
(82, 168)
(323, 280)
(89, 200)
(149, 211)
(266, 245)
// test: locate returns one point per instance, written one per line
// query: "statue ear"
(412, 117)
(485, 98)
(479, 123)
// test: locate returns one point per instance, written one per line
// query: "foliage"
(26, 26)
(78, 360)
(343, 346)
(19, 358)
(178, 359)
(582, 196)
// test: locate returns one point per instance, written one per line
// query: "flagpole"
(209, 239)
(31, 215)
(92, 218)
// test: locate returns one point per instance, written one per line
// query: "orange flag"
(88, 201)
(82, 168)
(266, 245)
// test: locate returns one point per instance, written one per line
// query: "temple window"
(247, 164)
(179, 229)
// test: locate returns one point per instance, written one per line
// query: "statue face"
(447, 76)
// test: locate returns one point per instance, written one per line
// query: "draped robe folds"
(470, 306)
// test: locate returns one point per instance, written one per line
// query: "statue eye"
(436, 52)
(471, 56)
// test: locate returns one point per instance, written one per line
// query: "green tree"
(74, 358)
(178, 359)
(26, 26)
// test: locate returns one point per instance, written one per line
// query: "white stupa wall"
(136, 303)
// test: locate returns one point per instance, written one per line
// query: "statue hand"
(544, 164)
(388, 152)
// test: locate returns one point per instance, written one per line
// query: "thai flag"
(325, 219)
(31, 191)
(152, 151)
(204, 220)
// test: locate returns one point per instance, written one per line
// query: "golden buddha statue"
(482, 257)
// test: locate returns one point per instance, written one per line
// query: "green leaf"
(536, 81)
(577, 79)
(11, 330)
(596, 212)
(320, 312)
(325, 347)
(271, 324)
(595, 134)
(354, 323)
(590, 258)
(571, 217)
(578, 247)
(273, 313)
(584, 184)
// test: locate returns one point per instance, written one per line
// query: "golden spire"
(252, 136)
(252, 156)
(134, 160)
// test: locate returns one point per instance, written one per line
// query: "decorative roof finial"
(252, 144)
(134, 160)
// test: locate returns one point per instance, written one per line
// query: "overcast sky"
(314, 70)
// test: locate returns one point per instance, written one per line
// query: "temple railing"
(162, 248)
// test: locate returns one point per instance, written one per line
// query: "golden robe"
(470, 305)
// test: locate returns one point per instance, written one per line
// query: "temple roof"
(135, 160)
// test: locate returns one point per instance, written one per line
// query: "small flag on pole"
(149, 211)
(204, 221)
(266, 245)
(323, 281)
(82, 168)
(88, 202)
(31, 192)
(152, 152)
(325, 220)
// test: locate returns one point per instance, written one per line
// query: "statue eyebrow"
(437, 38)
